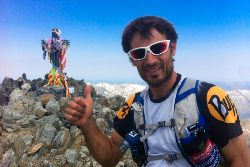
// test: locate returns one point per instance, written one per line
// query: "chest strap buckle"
(168, 157)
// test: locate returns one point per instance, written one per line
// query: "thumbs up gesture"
(79, 111)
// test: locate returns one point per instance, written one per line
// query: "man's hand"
(79, 111)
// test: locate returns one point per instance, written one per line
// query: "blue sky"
(213, 45)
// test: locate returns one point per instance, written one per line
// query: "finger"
(75, 106)
(87, 92)
(74, 113)
(80, 101)
(70, 118)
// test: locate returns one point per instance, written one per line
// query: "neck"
(163, 89)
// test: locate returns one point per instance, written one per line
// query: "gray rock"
(46, 163)
(58, 91)
(60, 159)
(21, 101)
(74, 132)
(10, 117)
(39, 110)
(26, 87)
(27, 139)
(1, 111)
(63, 105)
(48, 134)
(84, 153)
(95, 164)
(51, 119)
(18, 146)
(76, 136)
(36, 84)
(120, 164)
(79, 164)
(16, 128)
(24, 77)
(16, 95)
(27, 121)
(9, 130)
(88, 164)
(102, 124)
(25, 161)
(7, 86)
(129, 163)
(53, 152)
(108, 115)
(39, 129)
(31, 102)
(61, 139)
(35, 156)
(71, 155)
(53, 107)
(116, 102)
(9, 159)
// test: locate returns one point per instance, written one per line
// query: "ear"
(172, 48)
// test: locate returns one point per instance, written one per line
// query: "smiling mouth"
(152, 69)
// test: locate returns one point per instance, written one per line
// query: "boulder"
(71, 155)
(45, 98)
(26, 87)
(39, 111)
(7, 86)
(9, 159)
(53, 107)
(62, 139)
(48, 134)
(10, 117)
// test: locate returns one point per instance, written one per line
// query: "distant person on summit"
(175, 121)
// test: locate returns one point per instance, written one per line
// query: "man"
(173, 122)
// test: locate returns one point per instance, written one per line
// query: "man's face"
(155, 70)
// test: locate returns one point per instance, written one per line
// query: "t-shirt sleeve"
(124, 119)
(221, 114)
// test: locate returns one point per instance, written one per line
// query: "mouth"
(153, 69)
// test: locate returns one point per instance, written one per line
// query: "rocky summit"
(33, 131)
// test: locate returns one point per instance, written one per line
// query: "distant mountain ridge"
(241, 97)
(233, 85)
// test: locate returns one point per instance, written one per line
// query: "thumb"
(87, 92)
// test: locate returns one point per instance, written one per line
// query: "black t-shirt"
(219, 110)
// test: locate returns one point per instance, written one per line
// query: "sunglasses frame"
(147, 48)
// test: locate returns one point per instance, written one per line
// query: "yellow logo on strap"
(220, 106)
(123, 112)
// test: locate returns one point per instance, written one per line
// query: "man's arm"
(236, 153)
(105, 150)
(224, 124)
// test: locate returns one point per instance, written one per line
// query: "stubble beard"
(154, 81)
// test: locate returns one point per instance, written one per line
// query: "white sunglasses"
(156, 49)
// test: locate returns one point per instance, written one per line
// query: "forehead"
(139, 41)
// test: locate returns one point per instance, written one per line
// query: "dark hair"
(143, 25)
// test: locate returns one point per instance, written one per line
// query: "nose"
(150, 58)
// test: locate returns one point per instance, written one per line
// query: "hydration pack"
(191, 135)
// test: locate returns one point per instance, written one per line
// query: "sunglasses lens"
(137, 54)
(159, 48)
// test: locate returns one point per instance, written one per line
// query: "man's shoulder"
(217, 102)
(220, 112)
